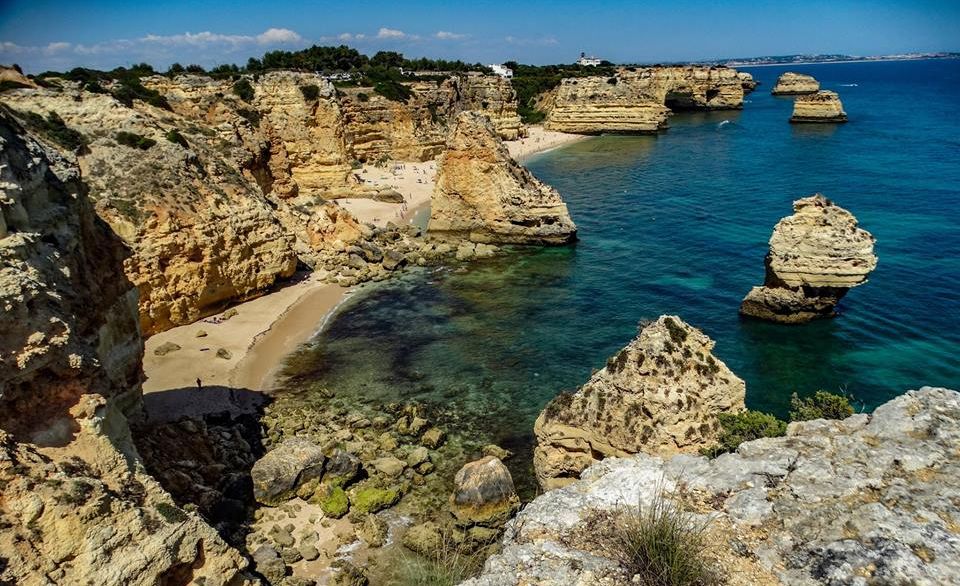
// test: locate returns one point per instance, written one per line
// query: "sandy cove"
(258, 334)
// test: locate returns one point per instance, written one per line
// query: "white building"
(501, 70)
(588, 61)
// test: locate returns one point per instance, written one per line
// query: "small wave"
(723, 123)
(849, 85)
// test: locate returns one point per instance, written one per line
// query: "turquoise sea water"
(678, 223)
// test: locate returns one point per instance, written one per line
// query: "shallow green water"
(678, 223)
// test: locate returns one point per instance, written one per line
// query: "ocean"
(678, 224)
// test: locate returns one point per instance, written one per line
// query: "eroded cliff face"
(795, 84)
(822, 106)
(659, 395)
(483, 195)
(871, 499)
(494, 97)
(77, 506)
(816, 256)
(639, 100)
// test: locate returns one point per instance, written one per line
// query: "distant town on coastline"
(827, 58)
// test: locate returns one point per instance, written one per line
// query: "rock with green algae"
(332, 500)
(370, 499)
(424, 539)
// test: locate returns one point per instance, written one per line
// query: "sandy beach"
(261, 332)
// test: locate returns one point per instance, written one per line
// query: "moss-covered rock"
(370, 499)
(332, 500)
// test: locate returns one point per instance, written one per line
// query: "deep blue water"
(678, 223)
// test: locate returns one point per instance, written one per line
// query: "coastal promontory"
(661, 394)
(795, 84)
(816, 256)
(483, 195)
(823, 106)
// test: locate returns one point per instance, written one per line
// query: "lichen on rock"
(659, 395)
(816, 256)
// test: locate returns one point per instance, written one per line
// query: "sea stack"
(483, 195)
(823, 106)
(795, 84)
(659, 395)
(816, 256)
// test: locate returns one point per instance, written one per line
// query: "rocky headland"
(816, 256)
(866, 500)
(660, 395)
(822, 106)
(795, 84)
(484, 196)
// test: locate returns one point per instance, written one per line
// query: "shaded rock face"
(278, 475)
(483, 195)
(822, 106)
(659, 395)
(639, 100)
(871, 499)
(816, 256)
(794, 84)
(77, 506)
(483, 494)
(749, 84)
(68, 324)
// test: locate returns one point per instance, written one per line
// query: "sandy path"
(268, 328)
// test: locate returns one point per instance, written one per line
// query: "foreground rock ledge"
(872, 499)
(661, 395)
(483, 195)
(816, 256)
(822, 106)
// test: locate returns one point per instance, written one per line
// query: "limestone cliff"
(689, 87)
(869, 500)
(794, 84)
(494, 97)
(659, 395)
(483, 195)
(816, 256)
(77, 506)
(822, 106)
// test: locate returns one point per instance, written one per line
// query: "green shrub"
(310, 92)
(743, 427)
(393, 90)
(129, 88)
(10, 84)
(134, 140)
(77, 494)
(447, 565)
(54, 128)
(662, 544)
(243, 90)
(530, 115)
(174, 136)
(170, 513)
(251, 116)
(363, 97)
(822, 405)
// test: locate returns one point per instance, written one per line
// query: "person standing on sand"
(199, 384)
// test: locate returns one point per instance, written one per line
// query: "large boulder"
(816, 256)
(873, 499)
(822, 106)
(483, 195)
(278, 474)
(661, 394)
(795, 84)
(483, 494)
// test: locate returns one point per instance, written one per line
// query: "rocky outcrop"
(494, 97)
(659, 395)
(816, 256)
(822, 106)
(483, 195)
(283, 470)
(483, 494)
(749, 84)
(794, 84)
(639, 100)
(871, 499)
(77, 506)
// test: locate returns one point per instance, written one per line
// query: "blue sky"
(59, 34)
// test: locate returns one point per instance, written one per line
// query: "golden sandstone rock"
(794, 84)
(483, 195)
(660, 395)
(816, 256)
(823, 106)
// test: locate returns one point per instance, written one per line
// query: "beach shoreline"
(257, 335)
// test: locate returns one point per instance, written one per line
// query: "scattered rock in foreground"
(873, 499)
(278, 475)
(660, 395)
(483, 195)
(483, 494)
(795, 84)
(816, 256)
(823, 106)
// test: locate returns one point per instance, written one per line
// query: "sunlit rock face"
(795, 84)
(822, 106)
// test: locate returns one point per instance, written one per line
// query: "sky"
(61, 34)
